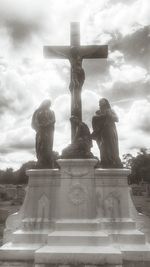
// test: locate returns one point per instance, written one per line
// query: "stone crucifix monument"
(77, 214)
(75, 53)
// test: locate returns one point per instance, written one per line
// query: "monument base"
(77, 215)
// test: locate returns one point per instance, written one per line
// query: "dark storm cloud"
(94, 67)
(23, 146)
(121, 91)
(145, 127)
(17, 146)
(20, 31)
(135, 50)
(136, 146)
(5, 150)
(96, 73)
(135, 46)
(143, 123)
(22, 20)
(8, 106)
(4, 105)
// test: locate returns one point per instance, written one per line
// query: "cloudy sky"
(26, 78)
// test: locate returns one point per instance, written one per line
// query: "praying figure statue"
(105, 134)
(43, 122)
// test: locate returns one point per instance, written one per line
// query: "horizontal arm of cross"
(88, 51)
(94, 51)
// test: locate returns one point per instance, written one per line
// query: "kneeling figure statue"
(82, 143)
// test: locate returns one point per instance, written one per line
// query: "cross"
(76, 53)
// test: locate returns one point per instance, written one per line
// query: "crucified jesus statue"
(75, 53)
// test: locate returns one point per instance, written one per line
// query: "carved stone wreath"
(77, 194)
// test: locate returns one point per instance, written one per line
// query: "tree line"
(9, 176)
(139, 166)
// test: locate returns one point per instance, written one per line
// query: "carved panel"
(43, 207)
(76, 174)
(99, 204)
(77, 194)
(112, 205)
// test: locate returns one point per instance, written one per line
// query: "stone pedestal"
(76, 196)
(75, 215)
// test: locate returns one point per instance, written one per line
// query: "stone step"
(78, 255)
(30, 237)
(94, 224)
(138, 253)
(25, 252)
(79, 224)
(18, 264)
(127, 236)
(78, 238)
(36, 224)
(117, 223)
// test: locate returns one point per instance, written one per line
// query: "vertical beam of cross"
(77, 75)
(74, 34)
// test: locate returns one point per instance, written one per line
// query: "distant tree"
(127, 163)
(128, 160)
(139, 165)
(8, 176)
(2, 176)
(21, 177)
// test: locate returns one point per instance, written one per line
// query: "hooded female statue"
(43, 122)
(105, 134)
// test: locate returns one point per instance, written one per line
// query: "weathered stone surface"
(76, 215)
(16, 264)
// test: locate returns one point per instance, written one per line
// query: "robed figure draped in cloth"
(82, 143)
(43, 122)
(105, 134)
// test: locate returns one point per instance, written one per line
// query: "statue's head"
(74, 51)
(45, 104)
(75, 120)
(104, 104)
